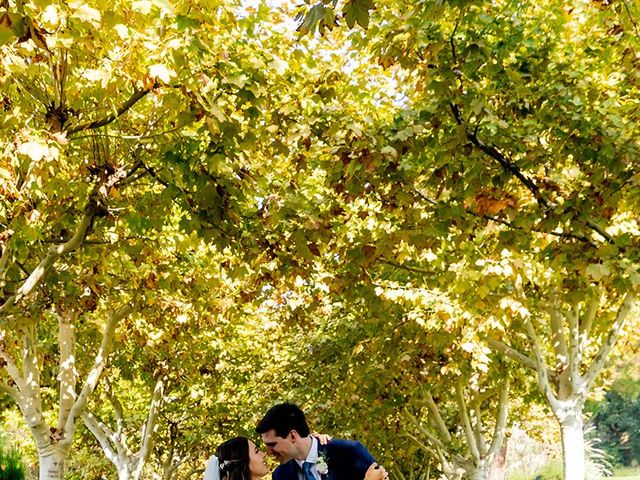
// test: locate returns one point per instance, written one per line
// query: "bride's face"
(257, 466)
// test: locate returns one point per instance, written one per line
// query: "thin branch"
(404, 267)
(430, 436)
(627, 305)
(477, 427)
(96, 370)
(464, 418)
(150, 425)
(501, 419)
(588, 319)
(99, 242)
(426, 448)
(52, 255)
(508, 166)
(67, 375)
(102, 433)
(12, 369)
(511, 353)
(599, 230)
(541, 368)
(142, 136)
(4, 260)
(512, 168)
(12, 392)
(137, 96)
(453, 44)
(633, 21)
(500, 221)
(557, 337)
(118, 412)
(575, 354)
(437, 418)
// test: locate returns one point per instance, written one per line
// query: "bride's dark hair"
(233, 456)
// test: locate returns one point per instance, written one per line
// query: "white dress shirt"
(312, 457)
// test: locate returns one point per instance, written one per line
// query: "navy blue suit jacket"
(347, 460)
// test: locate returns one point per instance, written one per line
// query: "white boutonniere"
(321, 464)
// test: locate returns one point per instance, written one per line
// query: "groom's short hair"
(283, 418)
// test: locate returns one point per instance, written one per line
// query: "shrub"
(11, 466)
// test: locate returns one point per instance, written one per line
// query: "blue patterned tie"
(306, 469)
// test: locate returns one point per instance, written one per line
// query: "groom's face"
(283, 449)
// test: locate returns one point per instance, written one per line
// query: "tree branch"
(30, 367)
(587, 320)
(68, 375)
(12, 369)
(430, 436)
(426, 448)
(12, 392)
(137, 96)
(500, 221)
(437, 418)
(464, 417)
(633, 21)
(557, 337)
(501, 419)
(4, 261)
(477, 426)
(627, 305)
(575, 354)
(150, 426)
(510, 167)
(117, 412)
(404, 267)
(98, 366)
(52, 255)
(541, 368)
(511, 353)
(102, 433)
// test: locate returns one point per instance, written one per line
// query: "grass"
(626, 473)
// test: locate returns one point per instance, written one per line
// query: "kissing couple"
(302, 456)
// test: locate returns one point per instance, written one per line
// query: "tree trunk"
(52, 464)
(498, 469)
(480, 472)
(573, 446)
(124, 471)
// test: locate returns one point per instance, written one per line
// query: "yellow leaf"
(35, 150)
(161, 72)
(86, 13)
(50, 16)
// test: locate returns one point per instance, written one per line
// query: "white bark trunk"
(124, 471)
(573, 446)
(480, 472)
(52, 463)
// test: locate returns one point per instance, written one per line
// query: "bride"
(240, 459)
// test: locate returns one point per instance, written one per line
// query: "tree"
(479, 455)
(72, 205)
(115, 441)
(508, 147)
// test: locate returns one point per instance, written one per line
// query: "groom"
(285, 432)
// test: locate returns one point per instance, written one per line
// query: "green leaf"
(597, 271)
(357, 11)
